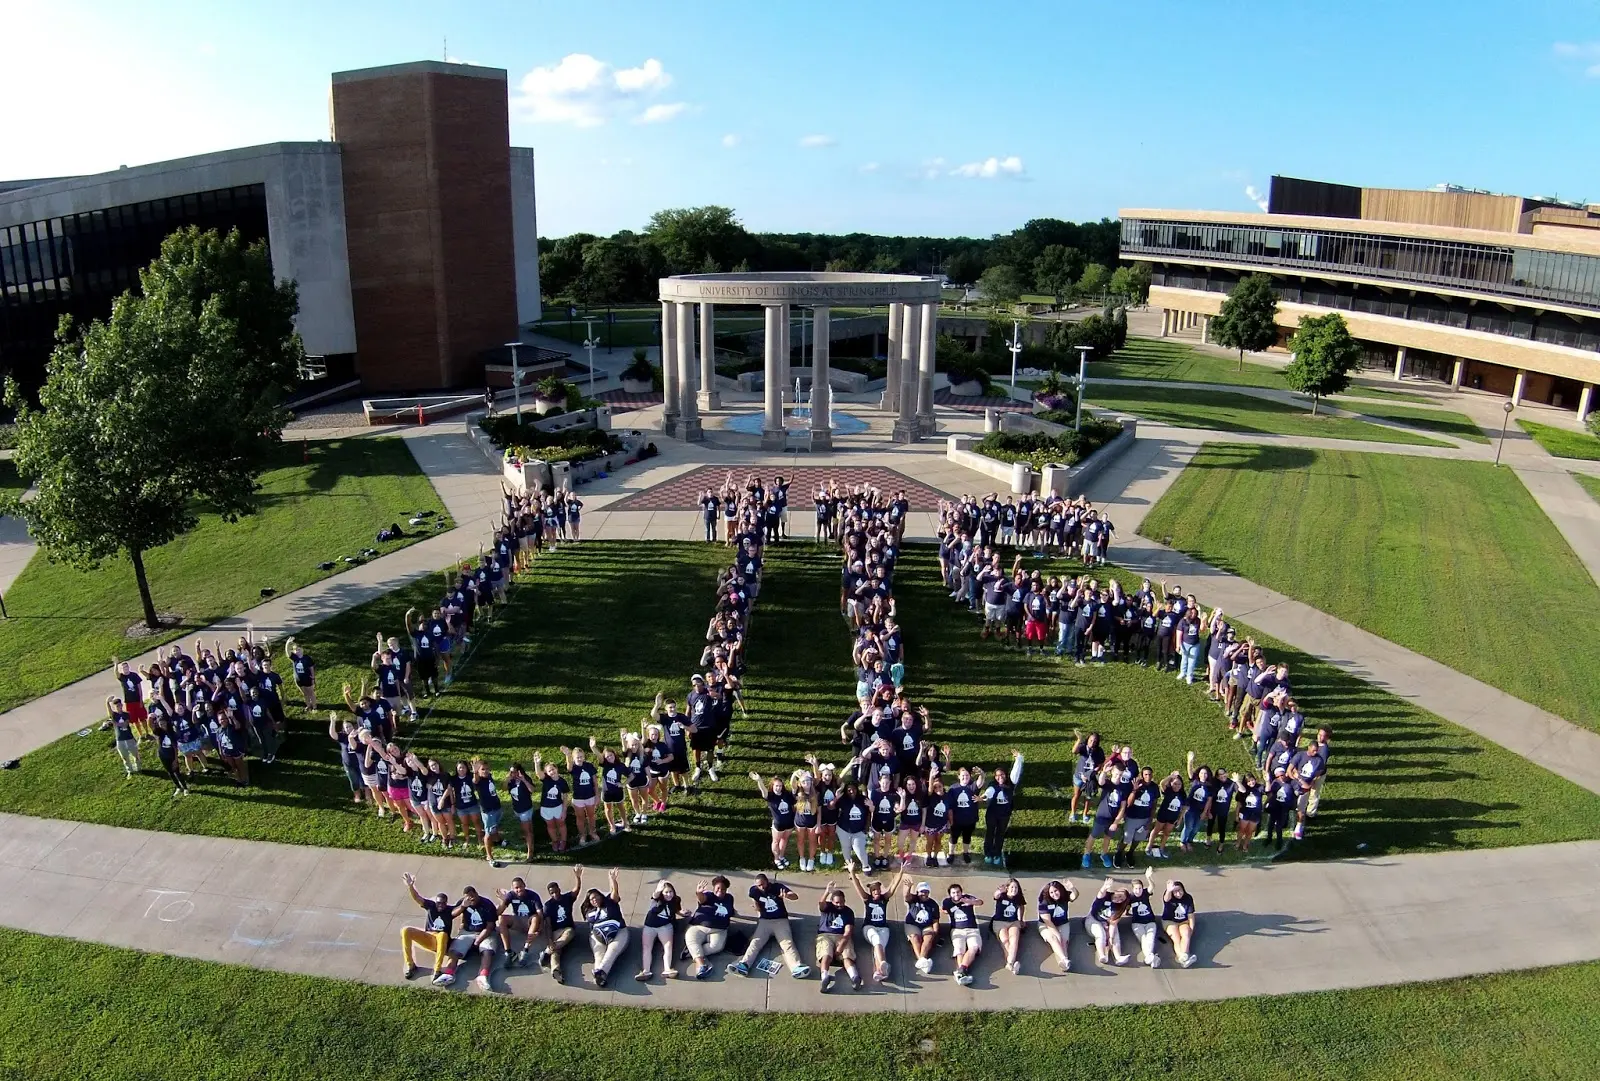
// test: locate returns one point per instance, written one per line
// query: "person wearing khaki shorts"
(836, 937)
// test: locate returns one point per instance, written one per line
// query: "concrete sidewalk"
(1263, 929)
(1149, 469)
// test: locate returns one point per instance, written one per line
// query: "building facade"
(411, 233)
(1498, 293)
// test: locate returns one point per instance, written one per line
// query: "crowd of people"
(1097, 622)
(523, 929)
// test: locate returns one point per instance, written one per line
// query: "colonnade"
(688, 368)
(1173, 321)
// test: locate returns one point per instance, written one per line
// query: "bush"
(1040, 450)
(1056, 394)
(529, 442)
(1058, 416)
(640, 369)
(968, 371)
(1593, 422)
(8, 436)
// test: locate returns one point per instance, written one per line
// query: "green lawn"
(10, 482)
(1590, 484)
(598, 628)
(322, 501)
(1441, 421)
(1356, 390)
(1562, 442)
(1452, 559)
(104, 1012)
(1178, 362)
(1221, 410)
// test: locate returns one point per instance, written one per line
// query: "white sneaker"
(1187, 960)
(1155, 961)
(482, 983)
(924, 965)
(712, 773)
(694, 778)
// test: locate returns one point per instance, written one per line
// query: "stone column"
(1455, 376)
(1166, 321)
(905, 425)
(1585, 402)
(785, 377)
(821, 392)
(925, 356)
(891, 353)
(670, 400)
(689, 428)
(1519, 386)
(772, 424)
(1399, 364)
(1205, 330)
(710, 398)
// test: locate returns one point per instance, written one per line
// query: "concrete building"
(411, 233)
(1495, 292)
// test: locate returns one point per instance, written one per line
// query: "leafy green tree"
(710, 266)
(1248, 319)
(1094, 279)
(1324, 352)
(172, 403)
(1132, 283)
(687, 237)
(1001, 284)
(964, 267)
(1056, 268)
(560, 266)
(609, 265)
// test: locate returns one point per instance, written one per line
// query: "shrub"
(968, 370)
(640, 369)
(1055, 393)
(8, 436)
(1040, 450)
(1593, 421)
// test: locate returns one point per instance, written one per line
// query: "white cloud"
(1586, 53)
(989, 168)
(660, 114)
(586, 92)
(870, 167)
(931, 169)
(1254, 194)
(814, 142)
(730, 140)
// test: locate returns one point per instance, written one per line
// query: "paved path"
(1264, 929)
(1149, 469)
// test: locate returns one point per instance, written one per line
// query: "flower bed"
(1039, 450)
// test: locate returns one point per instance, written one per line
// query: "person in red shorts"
(133, 698)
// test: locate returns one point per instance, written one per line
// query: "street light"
(589, 343)
(516, 379)
(1508, 407)
(1083, 379)
(1014, 346)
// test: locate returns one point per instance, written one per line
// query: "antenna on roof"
(444, 53)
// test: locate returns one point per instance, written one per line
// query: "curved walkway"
(1264, 929)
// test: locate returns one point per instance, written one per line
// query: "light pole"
(1014, 347)
(1083, 379)
(1508, 407)
(589, 343)
(516, 380)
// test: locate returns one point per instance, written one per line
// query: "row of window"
(1551, 328)
(77, 264)
(1503, 270)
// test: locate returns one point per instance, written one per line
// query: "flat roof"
(420, 67)
(1492, 237)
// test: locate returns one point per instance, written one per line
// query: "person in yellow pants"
(433, 935)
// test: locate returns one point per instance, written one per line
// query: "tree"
(1092, 282)
(1324, 352)
(1132, 283)
(688, 237)
(1248, 319)
(608, 267)
(1001, 284)
(172, 403)
(1056, 268)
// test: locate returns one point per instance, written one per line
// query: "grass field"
(102, 1012)
(10, 482)
(1561, 442)
(321, 501)
(1357, 390)
(1452, 559)
(598, 629)
(1590, 484)
(1440, 421)
(1177, 362)
(1223, 411)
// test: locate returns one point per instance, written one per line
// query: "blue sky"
(878, 115)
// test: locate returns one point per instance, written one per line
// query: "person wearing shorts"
(966, 936)
(922, 923)
(489, 807)
(1178, 921)
(836, 938)
(305, 673)
(479, 933)
(521, 790)
(875, 920)
(553, 799)
(707, 934)
(520, 912)
(464, 798)
(1055, 923)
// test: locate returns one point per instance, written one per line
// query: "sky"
(882, 116)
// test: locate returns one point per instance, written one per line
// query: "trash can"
(561, 475)
(1054, 479)
(991, 421)
(1021, 478)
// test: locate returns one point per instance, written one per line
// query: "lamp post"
(589, 343)
(516, 380)
(1508, 407)
(1014, 347)
(1083, 379)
